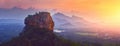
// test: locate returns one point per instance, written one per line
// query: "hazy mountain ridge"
(60, 18)
(63, 21)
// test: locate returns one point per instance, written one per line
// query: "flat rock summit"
(40, 20)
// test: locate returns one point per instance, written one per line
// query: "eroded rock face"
(40, 20)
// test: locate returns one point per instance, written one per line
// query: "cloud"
(85, 7)
(26, 3)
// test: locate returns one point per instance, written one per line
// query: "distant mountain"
(78, 19)
(63, 21)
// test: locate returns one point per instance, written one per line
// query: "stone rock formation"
(38, 31)
(40, 20)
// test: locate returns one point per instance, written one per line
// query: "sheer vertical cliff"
(40, 20)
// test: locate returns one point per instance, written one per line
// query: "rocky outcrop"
(40, 20)
(38, 31)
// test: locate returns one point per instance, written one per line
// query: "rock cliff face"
(38, 31)
(40, 20)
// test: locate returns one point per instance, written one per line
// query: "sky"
(104, 12)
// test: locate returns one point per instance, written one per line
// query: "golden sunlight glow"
(109, 12)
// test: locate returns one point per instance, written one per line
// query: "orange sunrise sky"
(100, 11)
